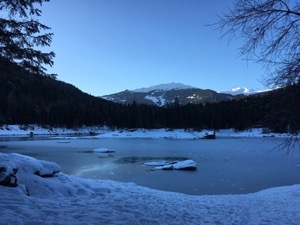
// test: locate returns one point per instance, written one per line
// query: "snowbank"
(105, 132)
(21, 130)
(63, 199)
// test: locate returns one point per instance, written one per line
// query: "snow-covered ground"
(63, 199)
(105, 132)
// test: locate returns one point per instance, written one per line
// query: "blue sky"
(107, 46)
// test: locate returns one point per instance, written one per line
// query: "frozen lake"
(225, 165)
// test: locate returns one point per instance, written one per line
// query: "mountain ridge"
(164, 94)
(243, 91)
(167, 86)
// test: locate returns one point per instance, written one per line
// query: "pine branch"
(19, 38)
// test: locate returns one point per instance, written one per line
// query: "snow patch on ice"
(103, 150)
(175, 165)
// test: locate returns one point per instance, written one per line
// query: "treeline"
(32, 99)
(278, 111)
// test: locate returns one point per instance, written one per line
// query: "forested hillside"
(29, 98)
(32, 99)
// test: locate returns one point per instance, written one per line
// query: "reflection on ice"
(95, 168)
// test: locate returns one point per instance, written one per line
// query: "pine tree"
(22, 35)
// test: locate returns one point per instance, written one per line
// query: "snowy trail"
(64, 199)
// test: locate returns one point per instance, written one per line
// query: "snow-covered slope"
(64, 200)
(164, 87)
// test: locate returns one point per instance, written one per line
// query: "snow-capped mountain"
(164, 87)
(242, 91)
(166, 94)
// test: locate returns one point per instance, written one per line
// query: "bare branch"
(270, 30)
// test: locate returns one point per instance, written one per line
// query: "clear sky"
(107, 46)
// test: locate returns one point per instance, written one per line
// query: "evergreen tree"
(22, 35)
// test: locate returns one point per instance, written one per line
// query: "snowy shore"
(64, 199)
(105, 132)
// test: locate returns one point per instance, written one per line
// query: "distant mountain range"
(163, 94)
(242, 91)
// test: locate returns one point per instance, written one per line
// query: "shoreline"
(105, 132)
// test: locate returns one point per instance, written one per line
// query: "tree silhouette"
(270, 30)
(22, 35)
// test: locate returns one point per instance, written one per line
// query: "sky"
(107, 46)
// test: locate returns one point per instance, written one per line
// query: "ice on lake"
(224, 165)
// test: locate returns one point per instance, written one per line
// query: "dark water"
(225, 166)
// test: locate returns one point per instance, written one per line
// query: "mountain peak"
(240, 90)
(164, 87)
